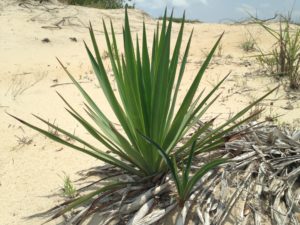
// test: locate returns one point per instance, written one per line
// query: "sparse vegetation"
(105, 54)
(255, 112)
(52, 129)
(22, 141)
(284, 59)
(69, 189)
(220, 50)
(248, 45)
(104, 4)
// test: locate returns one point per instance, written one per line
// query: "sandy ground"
(31, 166)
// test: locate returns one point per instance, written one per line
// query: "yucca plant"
(148, 87)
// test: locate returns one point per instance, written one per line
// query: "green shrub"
(145, 106)
(248, 45)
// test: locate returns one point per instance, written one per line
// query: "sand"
(32, 167)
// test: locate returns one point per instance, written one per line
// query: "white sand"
(31, 174)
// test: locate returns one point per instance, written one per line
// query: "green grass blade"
(103, 123)
(188, 166)
(196, 134)
(216, 133)
(179, 79)
(200, 173)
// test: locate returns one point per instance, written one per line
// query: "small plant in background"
(22, 141)
(248, 45)
(272, 116)
(104, 4)
(284, 59)
(51, 129)
(220, 50)
(69, 189)
(105, 54)
(254, 111)
(268, 61)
